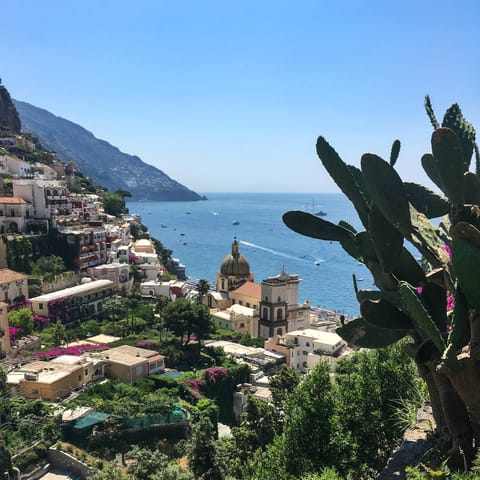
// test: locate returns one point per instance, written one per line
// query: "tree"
(59, 333)
(48, 267)
(307, 426)
(435, 302)
(110, 472)
(200, 450)
(114, 204)
(21, 318)
(146, 463)
(114, 307)
(258, 427)
(202, 287)
(3, 380)
(185, 318)
(281, 384)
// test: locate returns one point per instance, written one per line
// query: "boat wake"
(278, 253)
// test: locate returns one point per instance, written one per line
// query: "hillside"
(104, 163)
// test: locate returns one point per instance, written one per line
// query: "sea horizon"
(200, 235)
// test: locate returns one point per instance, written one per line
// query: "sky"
(230, 96)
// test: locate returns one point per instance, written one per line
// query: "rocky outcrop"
(9, 118)
(104, 163)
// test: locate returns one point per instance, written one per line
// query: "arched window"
(55, 193)
(279, 314)
(279, 299)
(223, 284)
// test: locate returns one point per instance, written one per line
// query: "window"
(40, 306)
(279, 299)
(86, 371)
(265, 313)
(242, 325)
(279, 331)
(305, 352)
(79, 377)
(307, 344)
(279, 314)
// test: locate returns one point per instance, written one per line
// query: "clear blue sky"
(231, 95)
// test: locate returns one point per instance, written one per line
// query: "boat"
(236, 222)
(320, 213)
(317, 262)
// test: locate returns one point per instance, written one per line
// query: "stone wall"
(63, 461)
(66, 280)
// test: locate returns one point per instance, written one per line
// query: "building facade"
(279, 307)
(76, 303)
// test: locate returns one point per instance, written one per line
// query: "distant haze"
(231, 96)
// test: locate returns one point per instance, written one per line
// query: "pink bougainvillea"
(216, 374)
(14, 332)
(74, 350)
(41, 320)
(448, 250)
(419, 290)
(196, 385)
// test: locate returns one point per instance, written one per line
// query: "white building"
(172, 289)
(310, 346)
(238, 318)
(48, 197)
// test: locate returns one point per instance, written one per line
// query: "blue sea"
(200, 234)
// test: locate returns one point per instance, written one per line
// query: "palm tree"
(202, 287)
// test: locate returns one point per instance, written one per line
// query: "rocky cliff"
(96, 158)
(9, 118)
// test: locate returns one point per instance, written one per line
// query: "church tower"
(280, 311)
(234, 271)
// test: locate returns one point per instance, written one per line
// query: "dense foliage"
(348, 425)
(435, 302)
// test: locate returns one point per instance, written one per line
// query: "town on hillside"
(87, 297)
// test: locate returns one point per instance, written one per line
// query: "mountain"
(96, 158)
(9, 119)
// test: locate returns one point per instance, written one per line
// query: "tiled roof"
(7, 275)
(250, 289)
(12, 200)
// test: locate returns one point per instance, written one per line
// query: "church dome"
(235, 264)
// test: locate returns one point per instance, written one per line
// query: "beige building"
(280, 311)
(76, 303)
(238, 318)
(4, 334)
(13, 288)
(47, 380)
(130, 364)
(247, 294)
(118, 273)
(14, 214)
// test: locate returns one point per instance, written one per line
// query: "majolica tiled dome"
(235, 264)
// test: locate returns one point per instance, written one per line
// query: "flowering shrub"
(41, 320)
(217, 374)
(13, 332)
(197, 385)
(145, 343)
(74, 350)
